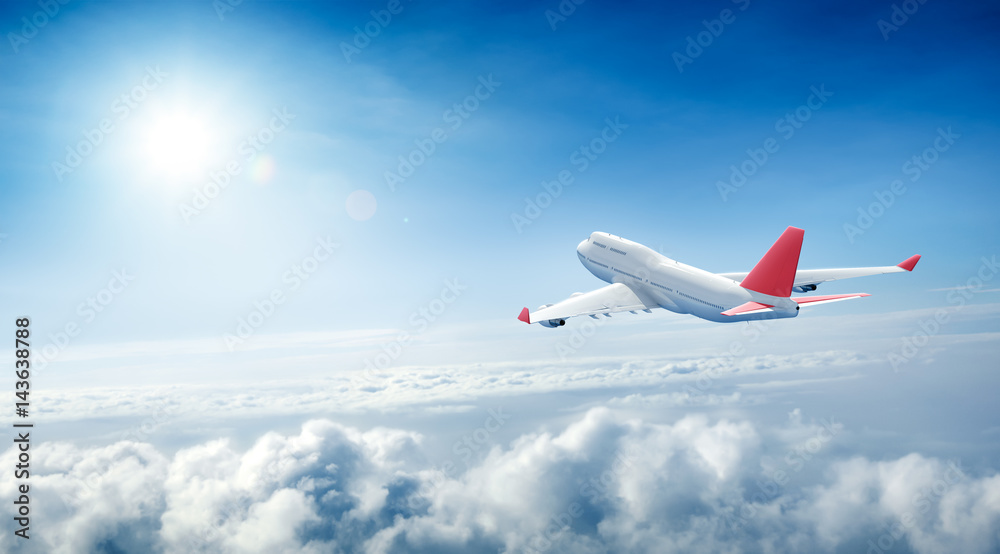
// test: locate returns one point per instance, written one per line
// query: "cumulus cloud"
(604, 482)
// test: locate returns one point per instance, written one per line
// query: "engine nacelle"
(551, 323)
(804, 288)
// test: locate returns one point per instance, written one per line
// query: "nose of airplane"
(579, 247)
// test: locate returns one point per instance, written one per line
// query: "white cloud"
(786, 447)
(434, 387)
(929, 504)
(606, 482)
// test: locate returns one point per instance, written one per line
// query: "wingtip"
(524, 316)
(909, 263)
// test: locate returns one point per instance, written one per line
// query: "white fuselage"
(672, 285)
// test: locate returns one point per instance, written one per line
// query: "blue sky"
(657, 184)
(180, 88)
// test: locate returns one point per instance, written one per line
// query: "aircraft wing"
(809, 278)
(606, 300)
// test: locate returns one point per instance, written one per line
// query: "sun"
(178, 145)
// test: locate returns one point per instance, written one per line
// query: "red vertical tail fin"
(774, 274)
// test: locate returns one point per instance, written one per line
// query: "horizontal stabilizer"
(748, 308)
(817, 300)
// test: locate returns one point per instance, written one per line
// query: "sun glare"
(178, 146)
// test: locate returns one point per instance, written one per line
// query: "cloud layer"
(603, 483)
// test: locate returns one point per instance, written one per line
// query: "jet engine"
(804, 288)
(551, 323)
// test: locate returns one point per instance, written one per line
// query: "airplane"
(642, 279)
